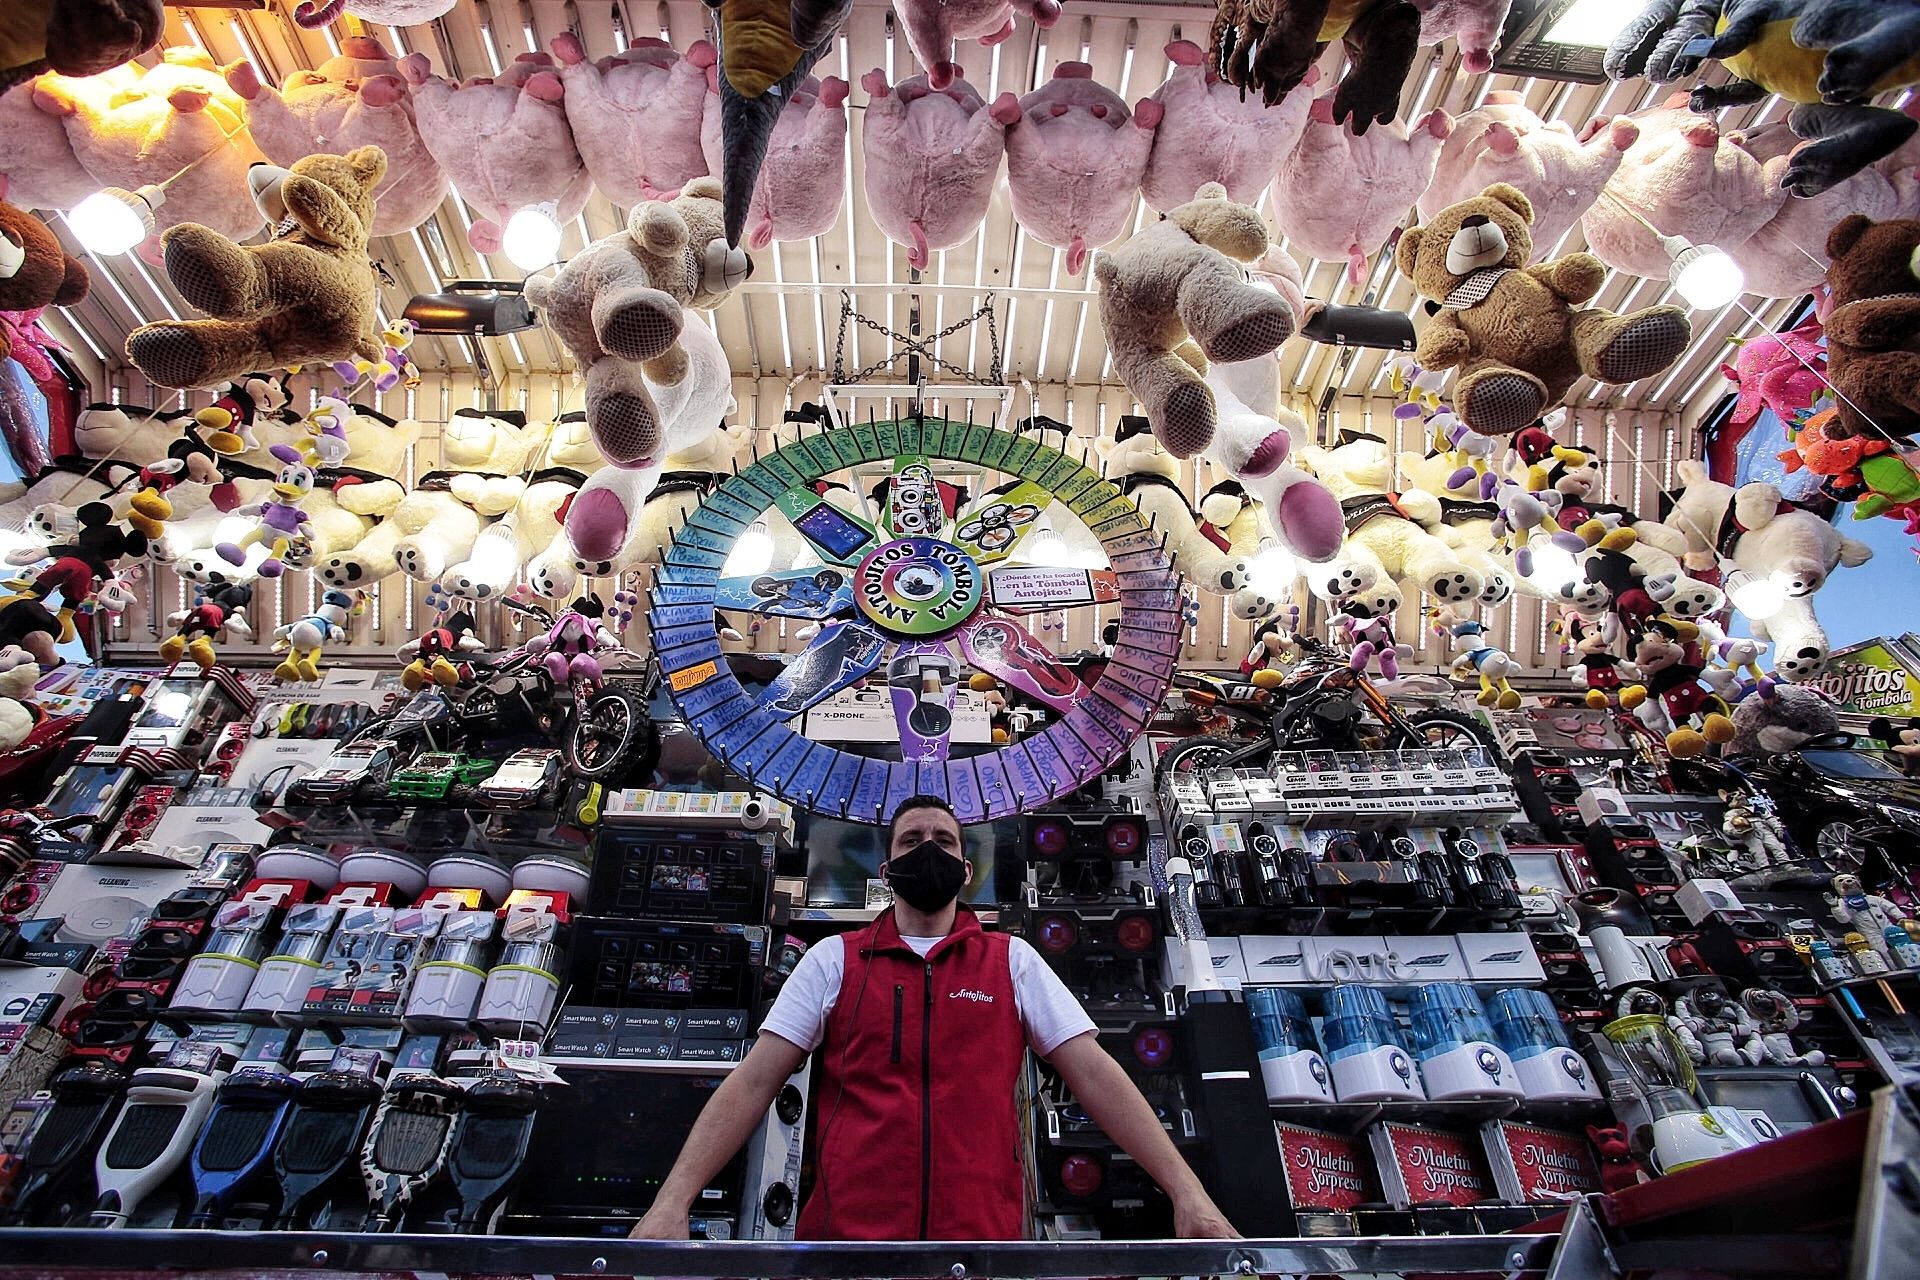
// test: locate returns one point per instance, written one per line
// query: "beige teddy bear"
(616, 305)
(1183, 280)
(1517, 333)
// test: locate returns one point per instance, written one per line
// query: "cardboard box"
(1597, 804)
(1506, 958)
(1276, 960)
(1418, 1165)
(1327, 1172)
(1702, 898)
(100, 903)
(1532, 1165)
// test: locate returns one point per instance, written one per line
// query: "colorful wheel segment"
(915, 598)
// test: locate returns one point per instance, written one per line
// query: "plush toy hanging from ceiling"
(1075, 156)
(1832, 57)
(933, 26)
(766, 49)
(802, 179)
(1783, 373)
(1211, 132)
(35, 273)
(619, 307)
(638, 116)
(932, 160)
(306, 295)
(1516, 333)
(75, 37)
(392, 13)
(1184, 279)
(1873, 327)
(356, 98)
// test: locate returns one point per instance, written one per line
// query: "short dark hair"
(919, 802)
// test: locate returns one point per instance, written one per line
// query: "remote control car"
(437, 775)
(526, 780)
(365, 762)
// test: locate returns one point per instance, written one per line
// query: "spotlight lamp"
(113, 220)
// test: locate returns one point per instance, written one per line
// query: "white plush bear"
(1796, 550)
(679, 486)
(602, 519)
(1707, 516)
(1253, 442)
(484, 454)
(505, 546)
(1387, 534)
(1211, 546)
(113, 442)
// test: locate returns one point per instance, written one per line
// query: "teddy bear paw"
(417, 561)
(1455, 588)
(1501, 402)
(171, 355)
(1186, 422)
(627, 427)
(639, 327)
(1643, 345)
(1255, 327)
(344, 571)
(1347, 580)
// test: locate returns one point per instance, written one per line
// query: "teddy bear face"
(1492, 229)
(1873, 259)
(352, 177)
(34, 271)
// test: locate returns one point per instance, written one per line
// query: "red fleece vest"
(919, 1136)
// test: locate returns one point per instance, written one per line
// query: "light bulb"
(1758, 598)
(752, 554)
(114, 220)
(1271, 572)
(495, 560)
(1553, 568)
(1706, 277)
(532, 238)
(1047, 547)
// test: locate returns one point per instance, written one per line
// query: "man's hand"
(663, 1222)
(1197, 1218)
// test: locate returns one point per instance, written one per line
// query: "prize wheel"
(919, 594)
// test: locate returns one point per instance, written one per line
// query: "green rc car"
(435, 775)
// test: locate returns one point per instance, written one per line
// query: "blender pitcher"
(1686, 1131)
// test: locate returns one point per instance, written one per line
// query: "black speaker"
(1240, 1162)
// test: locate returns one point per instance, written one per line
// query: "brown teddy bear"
(34, 272)
(617, 305)
(1515, 332)
(305, 295)
(1180, 281)
(75, 37)
(1873, 330)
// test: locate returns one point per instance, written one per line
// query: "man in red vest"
(923, 1019)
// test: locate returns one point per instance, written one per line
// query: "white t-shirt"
(1048, 1011)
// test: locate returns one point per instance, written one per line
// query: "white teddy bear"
(1387, 534)
(1212, 545)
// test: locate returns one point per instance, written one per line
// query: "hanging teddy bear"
(1515, 330)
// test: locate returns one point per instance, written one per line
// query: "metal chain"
(909, 344)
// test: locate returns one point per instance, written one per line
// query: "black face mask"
(927, 877)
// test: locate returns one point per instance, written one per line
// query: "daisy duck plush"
(569, 647)
(281, 521)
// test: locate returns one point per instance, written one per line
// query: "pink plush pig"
(151, 125)
(797, 195)
(37, 163)
(355, 98)
(1501, 140)
(1788, 255)
(1474, 23)
(932, 26)
(1074, 159)
(1211, 133)
(1902, 169)
(1687, 179)
(932, 160)
(637, 116)
(1338, 196)
(504, 142)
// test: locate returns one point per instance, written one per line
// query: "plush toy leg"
(621, 414)
(413, 676)
(1632, 697)
(635, 323)
(1362, 655)
(1622, 349)
(1597, 699)
(288, 671)
(1860, 54)
(1177, 402)
(1717, 727)
(444, 673)
(1228, 318)
(188, 354)
(217, 276)
(1488, 694)
(308, 663)
(1686, 743)
(1496, 400)
(1382, 43)
(1889, 403)
(172, 647)
(1509, 698)
(1389, 660)
(201, 652)
(1307, 518)
(1848, 138)
(603, 513)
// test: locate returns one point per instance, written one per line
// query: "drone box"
(1277, 960)
(1703, 898)
(1507, 958)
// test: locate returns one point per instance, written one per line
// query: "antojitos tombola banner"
(1873, 678)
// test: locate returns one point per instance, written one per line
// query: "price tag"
(522, 1057)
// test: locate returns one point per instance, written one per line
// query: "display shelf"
(1352, 1117)
(36, 1252)
(646, 1066)
(865, 915)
